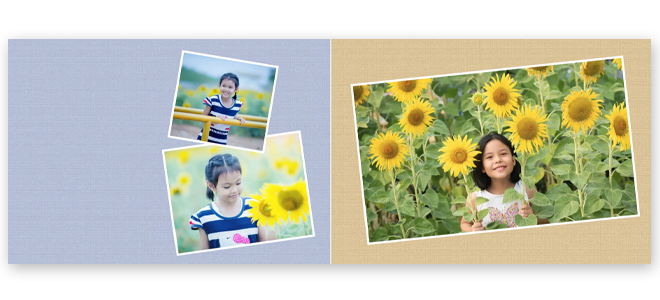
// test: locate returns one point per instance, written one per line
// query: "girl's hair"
(481, 179)
(219, 165)
(232, 77)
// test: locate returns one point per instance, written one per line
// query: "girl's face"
(229, 187)
(498, 160)
(227, 88)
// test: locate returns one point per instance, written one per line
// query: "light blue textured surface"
(87, 122)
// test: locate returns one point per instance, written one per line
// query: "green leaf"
(430, 198)
(371, 215)
(440, 127)
(460, 212)
(443, 211)
(617, 87)
(543, 212)
(423, 226)
(450, 108)
(531, 220)
(362, 111)
(541, 199)
(451, 93)
(403, 184)
(529, 182)
(612, 196)
(626, 169)
(558, 190)
(565, 207)
(459, 200)
(602, 167)
(452, 224)
(630, 192)
(582, 179)
(379, 235)
(593, 204)
(380, 196)
(496, 225)
(407, 206)
(361, 124)
(553, 95)
(482, 214)
(481, 200)
(376, 97)
(511, 195)
(562, 169)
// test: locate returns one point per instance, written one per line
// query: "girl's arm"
(207, 111)
(264, 234)
(203, 239)
(471, 226)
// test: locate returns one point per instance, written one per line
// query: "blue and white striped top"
(225, 231)
(218, 132)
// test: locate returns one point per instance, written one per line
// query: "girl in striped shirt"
(226, 222)
(224, 106)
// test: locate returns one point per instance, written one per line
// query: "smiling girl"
(224, 106)
(497, 170)
(226, 222)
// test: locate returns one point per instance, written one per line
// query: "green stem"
(497, 121)
(396, 203)
(522, 170)
(577, 171)
(414, 176)
(541, 94)
(479, 117)
(611, 150)
(468, 200)
(576, 74)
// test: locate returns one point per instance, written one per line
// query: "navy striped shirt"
(225, 231)
(218, 132)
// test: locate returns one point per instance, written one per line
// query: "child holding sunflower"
(497, 170)
(226, 222)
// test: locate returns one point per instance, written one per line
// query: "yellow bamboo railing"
(208, 120)
(199, 112)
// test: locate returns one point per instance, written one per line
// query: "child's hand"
(477, 227)
(525, 211)
(239, 118)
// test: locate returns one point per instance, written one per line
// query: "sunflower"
(580, 110)
(618, 63)
(416, 117)
(540, 72)
(360, 94)
(408, 90)
(261, 211)
(501, 97)
(591, 70)
(457, 155)
(478, 98)
(527, 129)
(186, 104)
(183, 156)
(619, 132)
(184, 179)
(388, 151)
(214, 91)
(287, 201)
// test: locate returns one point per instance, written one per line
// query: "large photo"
(222, 197)
(529, 146)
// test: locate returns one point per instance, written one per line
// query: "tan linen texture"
(612, 241)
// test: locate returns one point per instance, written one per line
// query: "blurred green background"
(281, 163)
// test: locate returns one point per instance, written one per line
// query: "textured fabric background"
(88, 120)
(625, 240)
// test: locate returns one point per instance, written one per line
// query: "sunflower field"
(275, 180)
(568, 124)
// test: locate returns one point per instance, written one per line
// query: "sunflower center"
(389, 149)
(264, 209)
(459, 156)
(290, 200)
(620, 126)
(500, 96)
(416, 117)
(593, 68)
(357, 92)
(407, 85)
(527, 128)
(580, 109)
